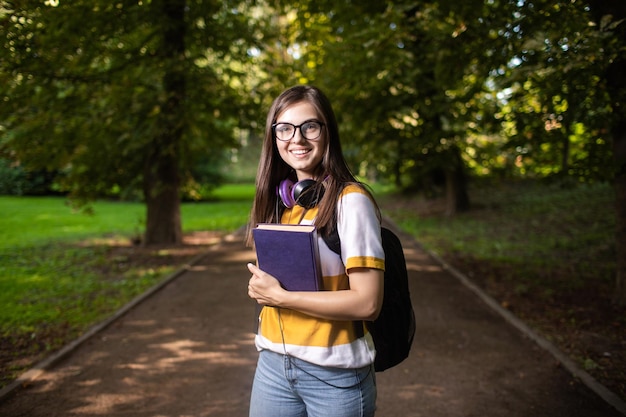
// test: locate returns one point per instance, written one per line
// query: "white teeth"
(300, 152)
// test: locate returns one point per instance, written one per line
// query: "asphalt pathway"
(187, 350)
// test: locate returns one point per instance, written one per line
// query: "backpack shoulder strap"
(332, 239)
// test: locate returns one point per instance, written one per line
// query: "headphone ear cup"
(285, 193)
(304, 193)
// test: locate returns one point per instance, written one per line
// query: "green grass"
(33, 221)
(234, 192)
(535, 231)
(225, 215)
(51, 286)
(52, 259)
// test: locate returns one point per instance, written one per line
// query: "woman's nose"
(297, 136)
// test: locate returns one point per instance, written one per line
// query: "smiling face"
(303, 155)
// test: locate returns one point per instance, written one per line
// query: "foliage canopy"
(140, 97)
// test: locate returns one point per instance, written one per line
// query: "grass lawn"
(533, 230)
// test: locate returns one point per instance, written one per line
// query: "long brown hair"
(333, 172)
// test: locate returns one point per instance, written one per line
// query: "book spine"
(316, 260)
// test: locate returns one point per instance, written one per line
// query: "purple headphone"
(304, 193)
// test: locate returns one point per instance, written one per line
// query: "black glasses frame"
(295, 127)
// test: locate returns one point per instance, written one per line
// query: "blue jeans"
(288, 387)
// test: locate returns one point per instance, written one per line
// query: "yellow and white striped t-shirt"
(329, 343)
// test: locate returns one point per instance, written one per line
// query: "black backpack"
(394, 329)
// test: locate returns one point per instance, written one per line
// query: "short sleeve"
(358, 226)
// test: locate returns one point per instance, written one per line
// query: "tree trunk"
(397, 164)
(457, 197)
(619, 152)
(616, 87)
(161, 189)
(161, 173)
(565, 154)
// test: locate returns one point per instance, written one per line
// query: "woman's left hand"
(263, 287)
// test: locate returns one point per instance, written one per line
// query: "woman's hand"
(263, 287)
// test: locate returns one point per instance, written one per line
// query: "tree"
(402, 74)
(124, 94)
(555, 98)
(570, 69)
(610, 18)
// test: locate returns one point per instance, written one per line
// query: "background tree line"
(146, 98)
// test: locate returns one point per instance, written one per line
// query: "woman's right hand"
(263, 287)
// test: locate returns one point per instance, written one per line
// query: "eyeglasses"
(310, 130)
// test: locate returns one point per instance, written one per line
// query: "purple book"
(289, 252)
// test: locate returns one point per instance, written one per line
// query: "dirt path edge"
(47, 363)
(590, 382)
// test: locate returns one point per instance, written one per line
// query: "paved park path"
(187, 350)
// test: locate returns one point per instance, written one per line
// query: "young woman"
(316, 358)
